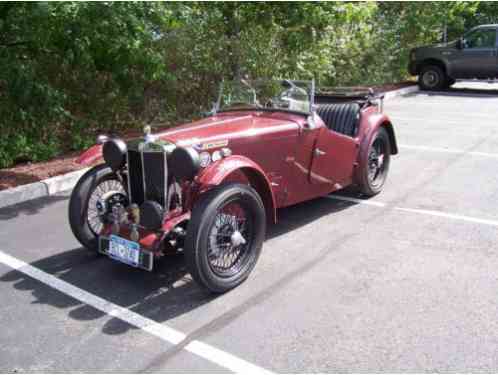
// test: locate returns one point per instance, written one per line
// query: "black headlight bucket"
(114, 153)
(184, 163)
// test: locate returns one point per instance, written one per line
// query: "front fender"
(218, 172)
(90, 156)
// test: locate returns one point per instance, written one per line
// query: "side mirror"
(460, 43)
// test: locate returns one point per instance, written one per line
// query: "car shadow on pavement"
(301, 214)
(161, 295)
(31, 207)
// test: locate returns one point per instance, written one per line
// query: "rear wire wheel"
(225, 236)
(376, 164)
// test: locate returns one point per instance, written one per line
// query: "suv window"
(482, 38)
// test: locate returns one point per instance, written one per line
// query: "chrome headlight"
(205, 159)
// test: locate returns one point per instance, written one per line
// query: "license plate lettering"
(123, 250)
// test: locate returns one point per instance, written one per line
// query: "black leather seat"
(342, 118)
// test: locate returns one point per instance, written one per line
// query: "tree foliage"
(72, 69)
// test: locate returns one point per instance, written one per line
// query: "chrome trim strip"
(151, 260)
(166, 186)
(143, 173)
(130, 198)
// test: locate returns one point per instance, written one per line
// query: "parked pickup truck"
(472, 56)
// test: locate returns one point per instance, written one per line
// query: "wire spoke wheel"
(229, 239)
(376, 165)
(224, 236)
(106, 194)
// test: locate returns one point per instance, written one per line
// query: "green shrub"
(71, 70)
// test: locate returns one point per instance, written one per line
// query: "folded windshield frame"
(296, 96)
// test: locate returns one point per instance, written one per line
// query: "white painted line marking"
(449, 150)
(400, 112)
(449, 216)
(416, 210)
(442, 122)
(356, 200)
(161, 331)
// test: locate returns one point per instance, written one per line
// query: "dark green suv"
(472, 56)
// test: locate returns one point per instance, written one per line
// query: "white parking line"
(420, 120)
(449, 216)
(165, 333)
(355, 200)
(449, 150)
(416, 210)
(400, 111)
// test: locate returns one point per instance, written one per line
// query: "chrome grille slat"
(147, 176)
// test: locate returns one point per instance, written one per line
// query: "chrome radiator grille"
(147, 176)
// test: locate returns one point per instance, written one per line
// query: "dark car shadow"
(31, 207)
(161, 295)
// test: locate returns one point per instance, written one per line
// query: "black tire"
(372, 186)
(432, 77)
(205, 214)
(78, 204)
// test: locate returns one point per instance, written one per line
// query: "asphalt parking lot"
(406, 281)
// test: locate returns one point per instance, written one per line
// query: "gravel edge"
(57, 184)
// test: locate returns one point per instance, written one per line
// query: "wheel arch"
(392, 137)
(231, 169)
(368, 128)
(432, 61)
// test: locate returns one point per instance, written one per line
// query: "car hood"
(227, 126)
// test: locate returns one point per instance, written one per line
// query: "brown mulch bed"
(26, 173)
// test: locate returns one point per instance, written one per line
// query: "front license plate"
(123, 250)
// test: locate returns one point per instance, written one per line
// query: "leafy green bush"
(73, 69)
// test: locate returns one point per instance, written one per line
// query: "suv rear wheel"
(432, 77)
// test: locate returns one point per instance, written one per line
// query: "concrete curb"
(40, 189)
(55, 185)
(401, 92)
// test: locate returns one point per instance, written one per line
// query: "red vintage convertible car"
(210, 188)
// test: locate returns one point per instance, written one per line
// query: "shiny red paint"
(171, 221)
(221, 170)
(91, 155)
(276, 152)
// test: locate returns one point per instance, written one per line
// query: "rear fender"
(246, 170)
(90, 156)
(370, 123)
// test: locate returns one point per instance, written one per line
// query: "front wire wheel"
(106, 194)
(229, 240)
(225, 236)
(91, 199)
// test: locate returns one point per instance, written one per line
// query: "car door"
(332, 159)
(478, 56)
